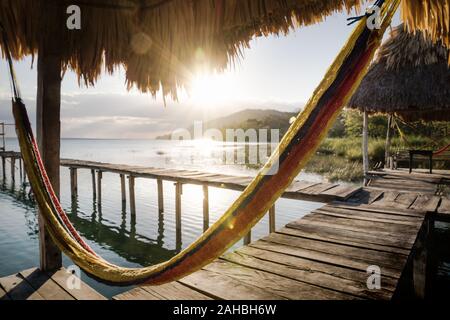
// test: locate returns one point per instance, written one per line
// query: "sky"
(276, 73)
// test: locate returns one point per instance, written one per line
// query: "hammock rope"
(434, 143)
(295, 149)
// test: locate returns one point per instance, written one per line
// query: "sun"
(208, 90)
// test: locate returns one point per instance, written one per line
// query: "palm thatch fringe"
(432, 17)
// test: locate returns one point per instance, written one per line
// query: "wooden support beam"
(421, 257)
(387, 154)
(132, 195)
(365, 145)
(73, 182)
(13, 169)
(123, 192)
(99, 189)
(205, 208)
(248, 238)
(272, 219)
(4, 168)
(159, 183)
(94, 188)
(178, 193)
(20, 170)
(48, 130)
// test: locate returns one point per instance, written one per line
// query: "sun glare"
(211, 89)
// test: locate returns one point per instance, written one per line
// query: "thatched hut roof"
(410, 78)
(161, 42)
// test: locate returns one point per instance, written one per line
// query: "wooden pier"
(328, 254)
(299, 190)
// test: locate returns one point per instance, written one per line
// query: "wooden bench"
(419, 155)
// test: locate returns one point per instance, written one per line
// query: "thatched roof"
(161, 42)
(432, 17)
(410, 78)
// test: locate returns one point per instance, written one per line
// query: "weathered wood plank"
(323, 231)
(380, 258)
(363, 216)
(136, 294)
(84, 292)
(405, 200)
(370, 226)
(44, 285)
(3, 295)
(306, 274)
(322, 257)
(388, 199)
(276, 284)
(343, 239)
(19, 289)
(425, 203)
(318, 189)
(392, 236)
(307, 265)
(219, 286)
(297, 186)
(378, 209)
(444, 207)
(342, 191)
(175, 291)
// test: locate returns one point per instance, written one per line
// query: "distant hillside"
(248, 119)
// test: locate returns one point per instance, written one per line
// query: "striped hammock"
(293, 152)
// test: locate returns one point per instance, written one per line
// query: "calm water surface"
(148, 239)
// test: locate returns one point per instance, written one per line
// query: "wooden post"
(159, 182)
(272, 219)
(13, 169)
(20, 170)
(94, 188)
(73, 183)
(48, 129)
(178, 193)
(99, 189)
(3, 168)
(123, 192)
(132, 195)
(205, 208)
(421, 257)
(387, 153)
(3, 147)
(248, 238)
(431, 162)
(365, 145)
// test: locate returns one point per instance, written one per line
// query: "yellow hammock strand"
(293, 152)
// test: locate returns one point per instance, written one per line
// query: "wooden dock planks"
(33, 284)
(300, 190)
(324, 255)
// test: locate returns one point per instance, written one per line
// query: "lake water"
(112, 233)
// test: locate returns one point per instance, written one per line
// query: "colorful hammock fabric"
(293, 152)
